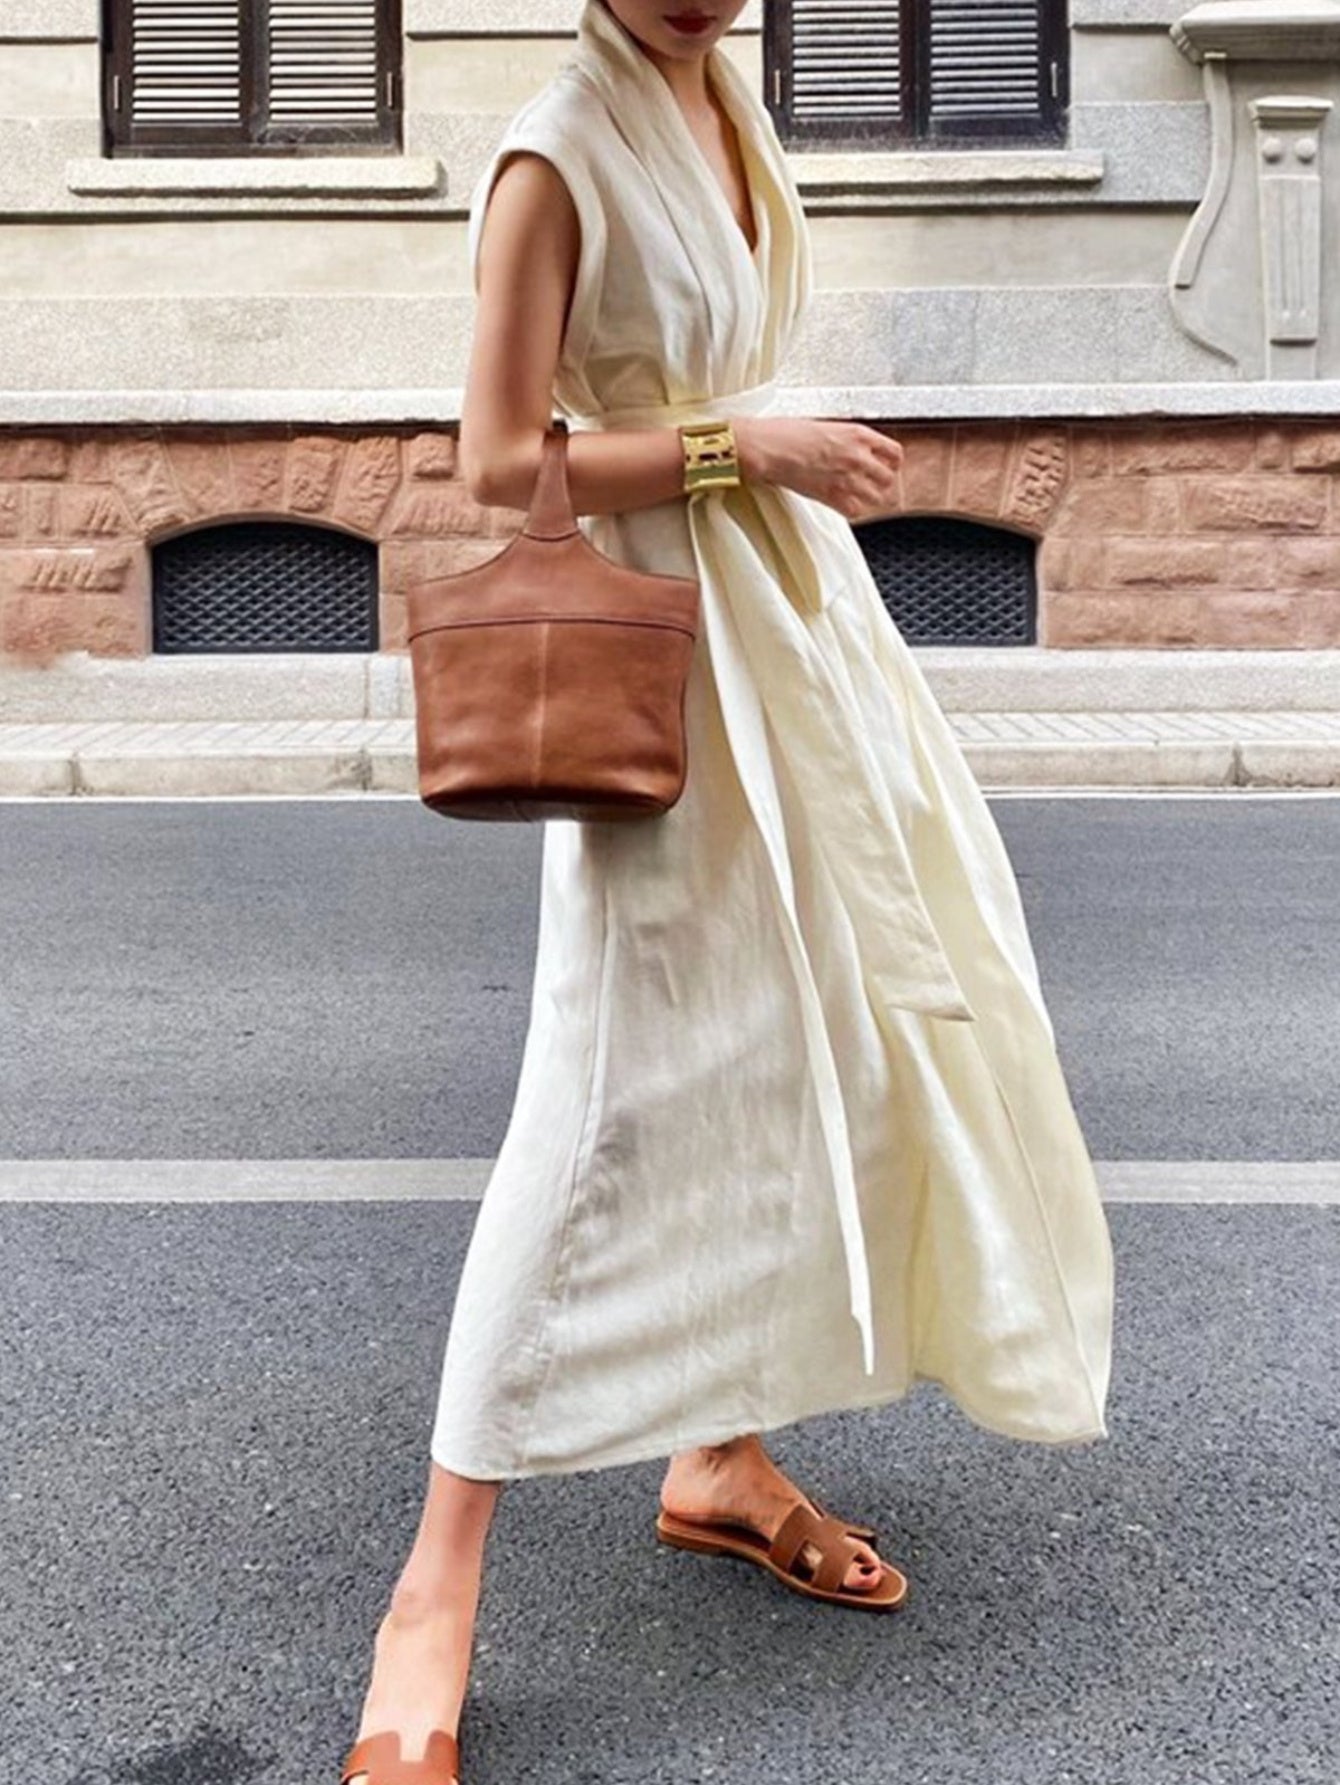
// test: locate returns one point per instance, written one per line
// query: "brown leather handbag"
(549, 681)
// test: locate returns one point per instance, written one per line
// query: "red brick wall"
(1152, 533)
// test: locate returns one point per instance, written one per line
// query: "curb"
(196, 759)
(291, 724)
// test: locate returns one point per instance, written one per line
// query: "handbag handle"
(551, 515)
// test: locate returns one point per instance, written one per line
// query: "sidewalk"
(283, 725)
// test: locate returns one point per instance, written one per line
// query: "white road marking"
(463, 1180)
(345, 795)
(242, 1180)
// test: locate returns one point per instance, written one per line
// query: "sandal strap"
(837, 1557)
(796, 1529)
(837, 1548)
(863, 1533)
(380, 1758)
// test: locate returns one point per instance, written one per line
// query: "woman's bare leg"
(739, 1480)
(421, 1652)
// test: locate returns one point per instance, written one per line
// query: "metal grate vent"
(953, 582)
(265, 586)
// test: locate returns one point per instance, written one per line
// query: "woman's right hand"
(846, 464)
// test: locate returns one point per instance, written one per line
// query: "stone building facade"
(1124, 349)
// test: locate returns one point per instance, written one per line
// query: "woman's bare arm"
(528, 254)
(527, 271)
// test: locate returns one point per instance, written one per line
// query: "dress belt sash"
(774, 676)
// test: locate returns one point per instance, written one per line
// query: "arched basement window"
(948, 581)
(264, 586)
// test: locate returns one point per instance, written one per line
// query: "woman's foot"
(421, 1651)
(421, 1658)
(739, 1480)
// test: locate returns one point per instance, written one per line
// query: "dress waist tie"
(778, 690)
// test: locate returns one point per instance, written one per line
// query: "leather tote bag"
(549, 681)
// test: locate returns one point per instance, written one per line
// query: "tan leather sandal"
(379, 1757)
(784, 1558)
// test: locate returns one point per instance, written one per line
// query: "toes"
(864, 1574)
(865, 1571)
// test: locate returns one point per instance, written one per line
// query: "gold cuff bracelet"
(710, 457)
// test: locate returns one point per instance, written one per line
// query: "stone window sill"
(855, 176)
(234, 176)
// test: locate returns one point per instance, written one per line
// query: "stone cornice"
(867, 174)
(1260, 30)
(230, 176)
(912, 402)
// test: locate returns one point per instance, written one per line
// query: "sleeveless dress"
(790, 1131)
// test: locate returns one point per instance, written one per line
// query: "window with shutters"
(244, 77)
(898, 73)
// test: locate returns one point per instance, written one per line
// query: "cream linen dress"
(790, 1131)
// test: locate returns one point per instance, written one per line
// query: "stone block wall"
(1151, 533)
(1206, 534)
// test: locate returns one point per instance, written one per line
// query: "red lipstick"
(690, 22)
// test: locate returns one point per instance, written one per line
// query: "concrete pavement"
(257, 724)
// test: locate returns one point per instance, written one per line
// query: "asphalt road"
(215, 1443)
(214, 1418)
(333, 979)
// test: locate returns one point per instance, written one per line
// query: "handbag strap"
(551, 515)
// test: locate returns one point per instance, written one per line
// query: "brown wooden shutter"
(238, 76)
(899, 72)
(322, 61)
(184, 69)
(986, 65)
(846, 60)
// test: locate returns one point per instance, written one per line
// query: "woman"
(790, 1132)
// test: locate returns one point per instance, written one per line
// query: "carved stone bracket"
(1255, 277)
(1288, 144)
